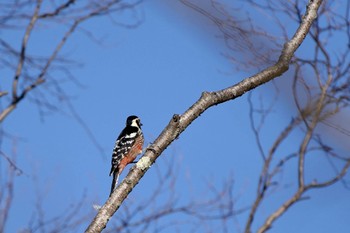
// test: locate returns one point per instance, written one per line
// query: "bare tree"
(321, 78)
(208, 99)
(46, 71)
(320, 91)
(31, 70)
(324, 82)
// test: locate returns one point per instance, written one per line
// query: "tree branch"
(23, 50)
(336, 178)
(298, 197)
(58, 10)
(268, 223)
(208, 99)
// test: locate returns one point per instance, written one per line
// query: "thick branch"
(208, 99)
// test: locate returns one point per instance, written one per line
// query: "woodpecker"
(127, 146)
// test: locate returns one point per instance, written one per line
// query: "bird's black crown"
(130, 119)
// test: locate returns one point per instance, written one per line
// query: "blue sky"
(154, 71)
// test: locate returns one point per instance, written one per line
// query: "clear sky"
(154, 71)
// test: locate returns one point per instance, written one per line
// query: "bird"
(128, 145)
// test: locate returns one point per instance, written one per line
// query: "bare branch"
(58, 10)
(23, 50)
(3, 93)
(12, 163)
(7, 193)
(268, 223)
(254, 128)
(336, 178)
(298, 197)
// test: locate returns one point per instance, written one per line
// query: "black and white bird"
(129, 144)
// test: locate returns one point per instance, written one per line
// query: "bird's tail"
(114, 182)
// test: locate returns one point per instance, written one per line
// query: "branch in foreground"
(208, 99)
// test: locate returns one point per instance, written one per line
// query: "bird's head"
(133, 121)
